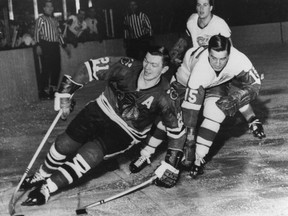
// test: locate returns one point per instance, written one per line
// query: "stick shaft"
(11, 203)
(130, 190)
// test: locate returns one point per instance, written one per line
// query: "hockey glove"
(63, 97)
(167, 175)
(63, 101)
(228, 104)
(168, 172)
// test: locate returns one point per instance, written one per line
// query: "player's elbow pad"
(68, 85)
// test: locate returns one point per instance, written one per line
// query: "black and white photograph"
(143, 107)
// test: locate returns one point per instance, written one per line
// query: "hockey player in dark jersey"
(135, 96)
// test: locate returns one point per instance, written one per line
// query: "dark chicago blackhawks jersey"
(134, 110)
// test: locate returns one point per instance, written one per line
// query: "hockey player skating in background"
(135, 95)
(200, 27)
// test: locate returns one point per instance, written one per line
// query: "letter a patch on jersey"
(148, 102)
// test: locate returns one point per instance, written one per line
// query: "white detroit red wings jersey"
(200, 36)
(202, 74)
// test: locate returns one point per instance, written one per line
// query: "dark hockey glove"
(168, 172)
(228, 104)
(178, 50)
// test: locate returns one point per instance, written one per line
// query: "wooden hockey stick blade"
(83, 210)
(11, 205)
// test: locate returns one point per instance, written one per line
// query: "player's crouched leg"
(60, 149)
(87, 157)
(206, 133)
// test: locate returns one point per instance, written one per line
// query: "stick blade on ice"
(11, 206)
(81, 211)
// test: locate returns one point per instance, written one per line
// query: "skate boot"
(38, 196)
(256, 127)
(32, 181)
(138, 164)
(196, 171)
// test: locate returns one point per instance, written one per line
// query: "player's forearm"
(191, 106)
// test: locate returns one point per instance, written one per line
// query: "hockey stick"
(83, 210)
(13, 198)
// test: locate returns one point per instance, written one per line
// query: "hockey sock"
(69, 172)
(247, 112)
(53, 160)
(206, 135)
(147, 151)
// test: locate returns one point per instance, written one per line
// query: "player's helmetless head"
(48, 8)
(219, 48)
(204, 8)
(133, 6)
(155, 62)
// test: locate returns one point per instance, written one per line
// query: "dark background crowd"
(165, 15)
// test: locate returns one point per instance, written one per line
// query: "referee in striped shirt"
(137, 32)
(48, 40)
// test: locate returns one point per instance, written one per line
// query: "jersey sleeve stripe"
(188, 105)
(175, 135)
(203, 141)
(88, 65)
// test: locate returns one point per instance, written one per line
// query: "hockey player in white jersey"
(213, 72)
(201, 26)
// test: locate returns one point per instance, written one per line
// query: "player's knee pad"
(65, 145)
(211, 110)
(93, 152)
(74, 169)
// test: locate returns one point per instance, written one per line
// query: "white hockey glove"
(63, 101)
(168, 172)
(63, 97)
(167, 175)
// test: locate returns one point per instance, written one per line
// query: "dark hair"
(211, 2)
(47, 1)
(219, 43)
(160, 51)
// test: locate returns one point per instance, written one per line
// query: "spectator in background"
(48, 37)
(27, 38)
(76, 30)
(92, 25)
(137, 32)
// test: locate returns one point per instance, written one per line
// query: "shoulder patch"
(127, 61)
(172, 93)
